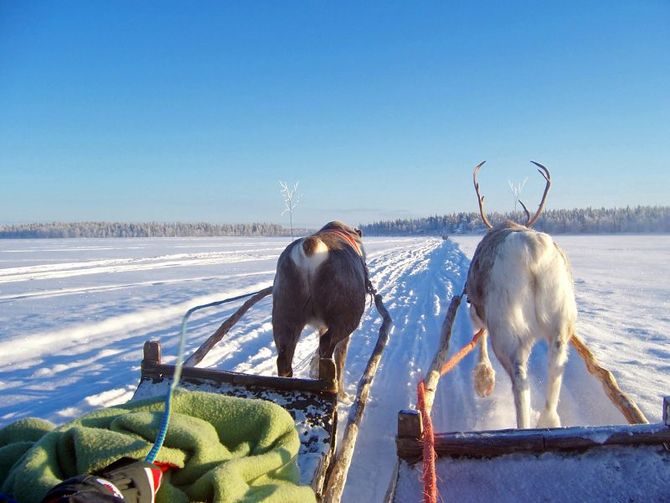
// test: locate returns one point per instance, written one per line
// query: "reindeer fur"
(321, 281)
(520, 290)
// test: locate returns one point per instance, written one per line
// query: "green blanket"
(227, 449)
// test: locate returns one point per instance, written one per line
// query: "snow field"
(74, 315)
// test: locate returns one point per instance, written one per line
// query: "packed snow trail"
(414, 284)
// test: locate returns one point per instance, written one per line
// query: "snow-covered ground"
(74, 315)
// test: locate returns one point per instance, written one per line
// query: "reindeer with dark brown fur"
(321, 281)
(520, 290)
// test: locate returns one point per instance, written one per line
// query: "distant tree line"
(135, 230)
(640, 219)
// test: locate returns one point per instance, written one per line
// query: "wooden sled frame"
(528, 444)
(311, 402)
(492, 443)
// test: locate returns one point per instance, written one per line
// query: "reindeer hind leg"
(514, 358)
(340, 359)
(521, 389)
(335, 341)
(314, 362)
(557, 356)
(286, 339)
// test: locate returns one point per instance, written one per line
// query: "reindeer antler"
(480, 198)
(525, 210)
(545, 173)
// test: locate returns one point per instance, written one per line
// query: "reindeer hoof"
(549, 419)
(485, 379)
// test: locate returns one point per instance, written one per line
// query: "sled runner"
(311, 402)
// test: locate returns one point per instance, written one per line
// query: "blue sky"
(193, 111)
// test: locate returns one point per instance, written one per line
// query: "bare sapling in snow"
(321, 281)
(520, 290)
(291, 200)
(516, 189)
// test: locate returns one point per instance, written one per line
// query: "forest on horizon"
(639, 219)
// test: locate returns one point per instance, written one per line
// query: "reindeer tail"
(309, 254)
(310, 245)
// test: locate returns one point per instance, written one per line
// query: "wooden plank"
(409, 449)
(481, 445)
(152, 353)
(239, 379)
(409, 424)
(500, 442)
(410, 433)
(153, 369)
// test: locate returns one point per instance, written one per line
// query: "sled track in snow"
(416, 284)
(69, 270)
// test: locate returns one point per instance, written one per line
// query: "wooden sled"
(605, 463)
(311, 402)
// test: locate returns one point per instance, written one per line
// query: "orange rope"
(429, 477)
(456, 359)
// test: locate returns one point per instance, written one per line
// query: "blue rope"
(162, 431)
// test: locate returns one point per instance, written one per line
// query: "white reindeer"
(520, 289)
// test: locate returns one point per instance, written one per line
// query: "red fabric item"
(157, 473)
(165, 466)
